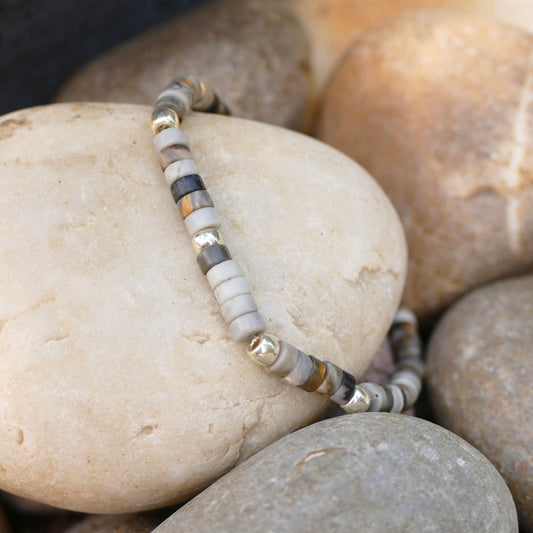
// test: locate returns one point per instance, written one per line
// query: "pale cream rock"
(255, 54)
(334, 25)
(439, 108)
(122, 389)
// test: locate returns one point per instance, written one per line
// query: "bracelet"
(232, 292)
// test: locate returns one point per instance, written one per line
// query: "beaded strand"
(232, 292)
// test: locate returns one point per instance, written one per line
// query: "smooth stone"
(442, 118)
(128, 523)
(254, 54)
(479, 378)
(373, 472)
(110, 328)
(334, 25)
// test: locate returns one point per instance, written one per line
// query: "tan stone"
(254, 54)
(122, 389)
(479, 380)
(439, 109)
(334, 25)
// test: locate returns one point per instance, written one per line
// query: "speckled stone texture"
(254, 54)
(442, 118)
(480, 375)
(112, 331)
(373, 472)
(334, 25)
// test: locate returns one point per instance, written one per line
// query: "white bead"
(243, 328)
(410, 382)
(405, 315)
(170, 137)
(301, 371)
(178, 169)
(398, 401)
(238, 306)
(206, 217)
(286, 361)
(222, 272)
(231, 288)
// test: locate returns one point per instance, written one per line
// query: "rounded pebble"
(480, 373)
(334, 25)
(442, 118)
(254, 54)
(371, 472)
(110, 328)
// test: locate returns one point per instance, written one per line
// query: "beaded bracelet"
(232, 292)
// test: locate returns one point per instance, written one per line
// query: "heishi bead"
(410, 383)
(177, 97)
(206, 217)
(205, 238)
(163, 118)
(238, 306)
(186, 185)
(346, 389)
(332, 379)
(212, 256)
(172, 154)
(193, 201)
(404, 315)
(198, 88)
(398, 399)
(414, 365)
(286, 361)
(316, 377)
(380, 398)
(302, 370)
(243, 328)
(264, 349)
(222, 272)
(170, 137)
(359, 402)
(180, 169)
(231, 288)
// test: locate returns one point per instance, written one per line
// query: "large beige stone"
(334, 25)
(121, 387)
(438, 107)
(254, 54)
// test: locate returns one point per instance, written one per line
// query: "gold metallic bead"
(359, 402)
(206, 237)
(164, 117)
(264, 349)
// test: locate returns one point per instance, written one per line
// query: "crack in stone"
(514, 174)
(33, 307)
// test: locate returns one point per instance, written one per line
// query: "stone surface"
(334, 25)
(442, 118)
(479, 378)
(373, 472)
(111, 329)
(128, 523)
(254, 54)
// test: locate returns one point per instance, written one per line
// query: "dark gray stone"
(371, 472)
(480, 379)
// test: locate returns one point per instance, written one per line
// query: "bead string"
(233, 293)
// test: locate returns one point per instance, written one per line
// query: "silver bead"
(205, 238)
(359, 402)
(264, 349)
(162, 118)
